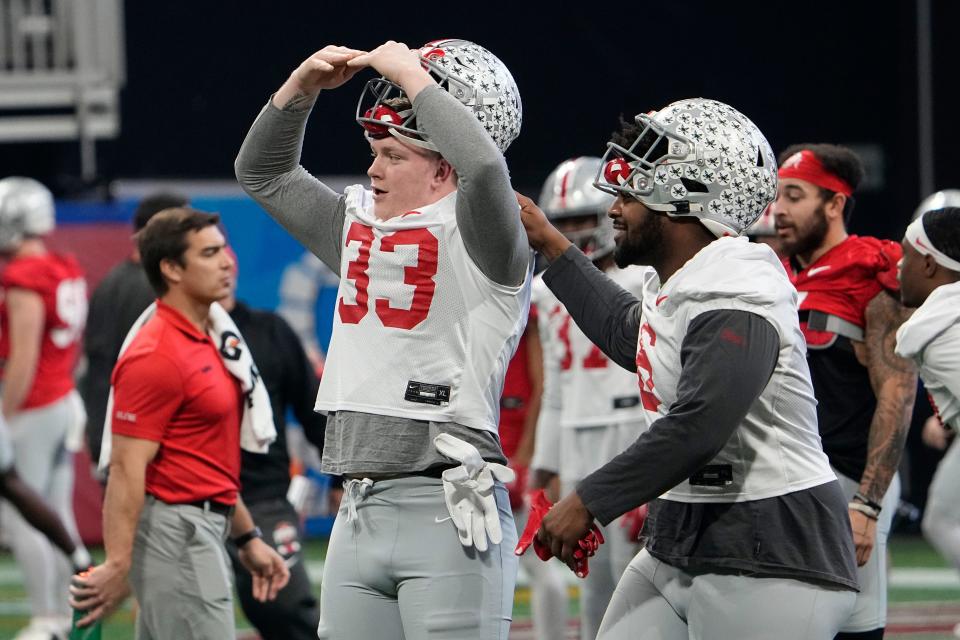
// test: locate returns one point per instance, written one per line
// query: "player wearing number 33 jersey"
(43, 308)
(413, 311)
(434, 290)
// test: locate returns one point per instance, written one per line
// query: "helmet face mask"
(697, 158)
(467, 71)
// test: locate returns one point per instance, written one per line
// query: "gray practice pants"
(395, 568)
(870, 611)
(941, 518)
(548, 590)
(583, 450)
(656, 601)
(43, 462)
(181, 574)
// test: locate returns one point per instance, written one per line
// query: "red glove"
(539, 506)
(588, 547)
(633, 522)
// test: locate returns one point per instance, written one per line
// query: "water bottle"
(90, 632)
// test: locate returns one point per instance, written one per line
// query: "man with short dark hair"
(930, 281)
(849, 312)
(115, 305)
(746, 535)
(178, 403)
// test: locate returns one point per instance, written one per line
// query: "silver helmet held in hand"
(467, 71)
(695, 157)
(568, 192)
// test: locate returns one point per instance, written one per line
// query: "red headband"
(804, 165)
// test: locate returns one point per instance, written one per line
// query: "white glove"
(468, 492)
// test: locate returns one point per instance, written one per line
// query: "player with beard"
(747, 534)
(849, 314)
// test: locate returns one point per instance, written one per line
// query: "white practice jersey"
(776, 449)
(418, 332)
(931, 337)
(591, 390)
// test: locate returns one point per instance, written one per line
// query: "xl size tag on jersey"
(426, 393)
(713, 475)
(626, 402)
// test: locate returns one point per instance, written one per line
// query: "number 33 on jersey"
(419, 331)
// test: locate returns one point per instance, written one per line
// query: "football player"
(43, 306)
(434, 291)
(747, 534)
(592, 410)
(849, 312)
(929, 277)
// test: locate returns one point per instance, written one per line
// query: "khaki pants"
(180, 574)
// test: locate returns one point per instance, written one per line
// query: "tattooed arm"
(894, 382)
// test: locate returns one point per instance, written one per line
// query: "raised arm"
(268, 165)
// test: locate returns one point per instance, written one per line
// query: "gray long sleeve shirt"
(797, 535)
(268, 169)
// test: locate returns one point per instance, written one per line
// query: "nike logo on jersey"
(661, 299)
(816, 270)
(440, 520)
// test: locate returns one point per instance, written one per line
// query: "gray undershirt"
(268, 169)
(803, 535)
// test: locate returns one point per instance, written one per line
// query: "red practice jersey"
(515, 399)
(59, 282)
(844, 280)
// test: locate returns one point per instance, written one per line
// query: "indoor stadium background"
(176, 84)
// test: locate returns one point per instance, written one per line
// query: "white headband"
(917, 236)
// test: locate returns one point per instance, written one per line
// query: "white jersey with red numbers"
(776, 449)
(591, 390)
(418, 332)
(62, 288)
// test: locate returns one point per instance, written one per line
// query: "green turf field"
(924, 597)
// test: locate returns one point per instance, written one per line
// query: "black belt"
(213, 506)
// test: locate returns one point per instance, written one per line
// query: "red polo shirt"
(171, 386)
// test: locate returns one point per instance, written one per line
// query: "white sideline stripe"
(905, 578)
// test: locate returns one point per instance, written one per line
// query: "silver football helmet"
(470, 73)
(938, 200)
(26, 209)
(569, 192)
(696, 157)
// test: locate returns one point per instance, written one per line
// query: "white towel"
(257, 430)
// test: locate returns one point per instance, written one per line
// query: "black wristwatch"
(241, 540)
